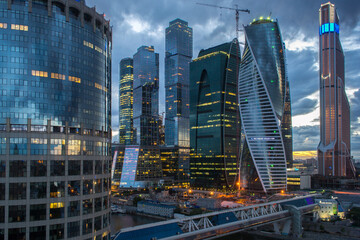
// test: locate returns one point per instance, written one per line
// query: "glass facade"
(214, 117)
(334, 154)
(178, 55)
(126, 101)
(146, 96)
(264, 100)
(55, 92)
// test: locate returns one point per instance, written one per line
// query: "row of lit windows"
(19, 27)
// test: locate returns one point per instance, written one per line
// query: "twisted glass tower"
(334, 147)
(214, 117)
(263, 92)
(55, 120)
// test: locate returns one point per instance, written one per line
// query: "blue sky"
(143, 22)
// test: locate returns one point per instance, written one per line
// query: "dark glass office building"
(265, 109)
(214, 117)
(146, 96)
(126, 101)
(334, 153)
(178, 55)
(55, 120)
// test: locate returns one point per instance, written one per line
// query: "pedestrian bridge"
(284, 215)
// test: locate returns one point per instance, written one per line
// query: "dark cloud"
(303, 106)
(306, 138)
(298, 20)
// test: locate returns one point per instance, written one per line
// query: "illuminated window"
(19, 27)
(39, 73)
(90, 45)
(3, 25)
(74, 79)
(58, 76)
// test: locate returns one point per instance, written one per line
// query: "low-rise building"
(156, 209)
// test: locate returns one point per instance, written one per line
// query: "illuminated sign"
(329, 27)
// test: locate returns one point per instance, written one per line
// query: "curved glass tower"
(334, 147)
(55, 120)
(262, 94)
(214, 117)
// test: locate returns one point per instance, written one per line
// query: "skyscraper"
(126, 102)
(214, 117)
(263, 97)
(178, 55)
(334, 147)
(55, 120)
(146, 96)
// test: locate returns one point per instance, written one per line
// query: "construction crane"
(237, 11)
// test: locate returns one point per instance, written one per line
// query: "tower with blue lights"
(334, 154)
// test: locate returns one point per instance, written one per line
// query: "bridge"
(283, 215)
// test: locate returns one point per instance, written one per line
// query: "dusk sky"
(143, 22)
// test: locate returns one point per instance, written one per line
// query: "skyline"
(212, 26)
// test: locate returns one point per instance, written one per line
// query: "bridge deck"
(220, 222)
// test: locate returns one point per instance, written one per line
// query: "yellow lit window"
(39, 73)
(3, 25)
(57, 205)
(74, 79)
(90, 45)
(58, 76)
(19, 27)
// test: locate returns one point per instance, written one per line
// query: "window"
(98, 204)
(17, 233)
(57, 189)
(88, 148)
(57, 146)
(38, 232)
(38, 212)
(2, 145)
(74, 188)
(38, 190)
(88, 167)
(97, 223)
(74, 209)
(106, 220)
(17, 213)
(56, 231)
(87, 187)
(74, 147)
(73, 229)
(87, 206)
(39, 73)
(2, 169)
(17, 168)
(38, 146)
(98, 167)
(2, 191)
(38, 168)
(105, 203)
(98, 186)
(74, 167)
(19, 27)
(57, 168)
(2, 214)
(56, 210)
(17, 191)
(18, 146)
(87, 226)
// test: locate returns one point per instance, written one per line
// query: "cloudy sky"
(143, 22)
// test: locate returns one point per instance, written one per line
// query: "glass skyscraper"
(146, 96)
(178, 55)
(126, 101)
(214, 117)
(334, 147)
(263, 98)
(55, 120)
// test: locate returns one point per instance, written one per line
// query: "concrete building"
(156, 209)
